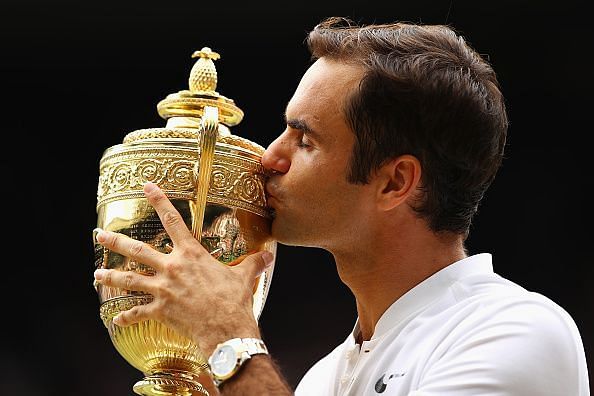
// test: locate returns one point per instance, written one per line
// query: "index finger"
(172, 221)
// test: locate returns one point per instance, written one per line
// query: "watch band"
(243, 350)
(254, 346)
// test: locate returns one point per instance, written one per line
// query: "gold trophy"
(216, 181)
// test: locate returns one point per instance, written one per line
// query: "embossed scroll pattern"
(235, 181)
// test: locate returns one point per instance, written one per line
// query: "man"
(393, 136)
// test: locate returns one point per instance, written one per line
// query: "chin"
(281, 233)
(291, 237)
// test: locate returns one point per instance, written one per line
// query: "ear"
(398, 180)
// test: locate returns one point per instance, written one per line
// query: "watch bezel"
(219, 370)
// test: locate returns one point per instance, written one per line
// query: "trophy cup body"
(216, 181)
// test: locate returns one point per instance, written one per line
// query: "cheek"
(324, 196)
(316, 182)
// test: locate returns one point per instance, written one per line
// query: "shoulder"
(490, 299)
(512, 310)
(528, 324)
(522, 342)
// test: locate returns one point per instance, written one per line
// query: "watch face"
(223, 361)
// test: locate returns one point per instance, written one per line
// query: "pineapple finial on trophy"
(203, 76)
(185, 108)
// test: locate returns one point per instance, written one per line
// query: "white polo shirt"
(463, 331)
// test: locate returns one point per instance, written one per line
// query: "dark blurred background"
(76, 77)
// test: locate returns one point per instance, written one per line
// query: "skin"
(370, 229)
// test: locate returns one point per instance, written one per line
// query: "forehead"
(320, 96)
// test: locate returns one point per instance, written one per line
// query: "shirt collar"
(428, 290)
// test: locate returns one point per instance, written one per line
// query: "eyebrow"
(302, 126)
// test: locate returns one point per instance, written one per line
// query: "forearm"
(259, 376)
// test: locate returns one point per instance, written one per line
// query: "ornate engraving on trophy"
(234, 181)
(171, 169)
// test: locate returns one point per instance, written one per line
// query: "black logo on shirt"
(382, 382)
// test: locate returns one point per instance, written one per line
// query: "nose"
(277, 156)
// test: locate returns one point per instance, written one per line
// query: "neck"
(380, 271)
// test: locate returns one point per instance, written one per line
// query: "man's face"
(314, 203)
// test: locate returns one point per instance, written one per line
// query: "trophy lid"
(184, 109)
(202, 92)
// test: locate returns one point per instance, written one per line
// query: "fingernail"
(95, 232)
(99, 273)
(116, 319)
(101, 235)
(149, 187)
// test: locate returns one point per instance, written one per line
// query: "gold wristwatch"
(229, 356)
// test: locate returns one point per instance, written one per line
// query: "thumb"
(254, 264)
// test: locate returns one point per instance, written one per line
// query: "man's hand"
(194, 294)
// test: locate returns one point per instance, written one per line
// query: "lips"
(271, 199)
(270, 190)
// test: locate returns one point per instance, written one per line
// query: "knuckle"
(116, 242)
(111, 240)
(108, 277)
(156, 196)
(137, 248)
(128, 317)
(173, 267)
(134, 313)
(129, 280)
(170, 267)
(170, 219)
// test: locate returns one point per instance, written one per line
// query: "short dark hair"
(427, 93)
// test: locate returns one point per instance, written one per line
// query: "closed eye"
(304, 132)
(302, 143)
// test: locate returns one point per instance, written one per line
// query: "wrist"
(235, 328)
(230, 356)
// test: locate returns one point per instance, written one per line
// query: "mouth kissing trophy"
(216, 181)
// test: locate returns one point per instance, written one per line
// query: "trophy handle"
(208, 138)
